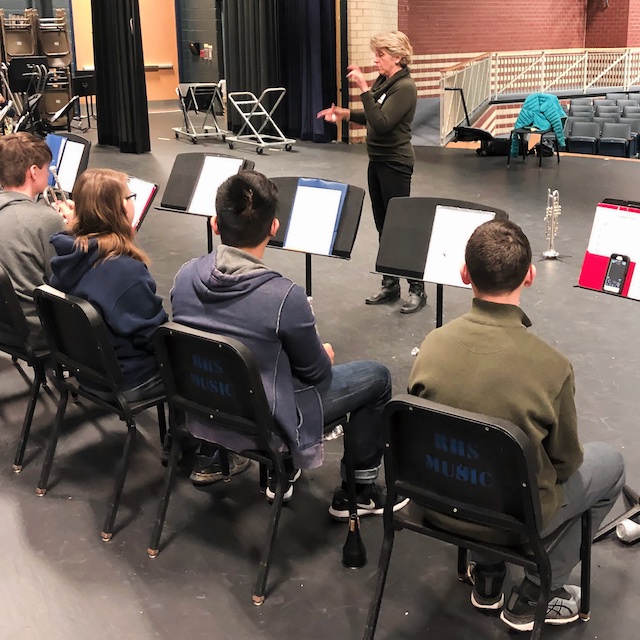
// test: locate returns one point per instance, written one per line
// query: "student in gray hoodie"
(25, 224)
(232, 292)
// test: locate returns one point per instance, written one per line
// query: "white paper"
(615, 231)
(69, 164)
(144, 191)
(452, 228)
(313, 220)
(215, 170)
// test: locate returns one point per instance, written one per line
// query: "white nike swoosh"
(371, 505)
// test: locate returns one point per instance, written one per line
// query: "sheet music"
(215, 170)
(145, 191)
(69, 164)
(452, 228)
(615, 231)
(313, 221)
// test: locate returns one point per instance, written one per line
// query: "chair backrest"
(581, 110)
(606, 109)
(630, 111)
(602, 120)
(14, 329)
(627, 103)
(605, 103)
(215, 378)
(634, 123)
(581, 101)
(616, 130)
(461, 464)
(585, 130)
(616, 96)
(570, 121)
(78, 337)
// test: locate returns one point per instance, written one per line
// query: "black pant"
(388, 181)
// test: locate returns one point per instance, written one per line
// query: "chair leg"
(162, 422)
(123, 466)
(541, 609)
(381, 578)
(509, 154)
(53, 441)
(585, 567)
(154, 545)
(462, 564)
(28, 418)
(354, 553)
(264, 478)
(276, 510)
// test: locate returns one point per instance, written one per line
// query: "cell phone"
(616, 273)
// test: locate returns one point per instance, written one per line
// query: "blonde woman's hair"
(396, 43)
(99, 196)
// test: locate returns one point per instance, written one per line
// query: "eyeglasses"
(131, 196)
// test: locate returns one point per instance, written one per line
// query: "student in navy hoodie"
(96, 259)
(232, 292)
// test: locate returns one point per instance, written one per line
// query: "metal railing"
(494, 76)
(468, 82)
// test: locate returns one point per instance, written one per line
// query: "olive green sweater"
(389, 107)
(487, 362)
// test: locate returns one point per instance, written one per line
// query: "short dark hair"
(498, 256)
(18, 152)
(246, 205)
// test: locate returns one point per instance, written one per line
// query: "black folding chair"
(216, 378)
(14, 340)
(473, 469)
(79, 343)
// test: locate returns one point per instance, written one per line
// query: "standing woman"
(388, 109)
(97, 260)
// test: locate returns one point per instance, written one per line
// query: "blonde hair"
(99, 196)
(396, 43)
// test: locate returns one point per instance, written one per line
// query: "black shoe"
(563, 606)
(369, 502)
(389, 292)
(487, 585)
(415, 302)
(294, 474)
(209, 470)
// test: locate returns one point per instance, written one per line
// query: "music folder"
(145, 193)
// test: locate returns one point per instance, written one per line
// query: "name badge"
(381, 99)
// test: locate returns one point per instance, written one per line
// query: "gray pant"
(596, 485)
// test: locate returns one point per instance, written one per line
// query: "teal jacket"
(541, 110)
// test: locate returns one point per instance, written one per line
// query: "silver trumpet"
(552, 214)
(54, 194)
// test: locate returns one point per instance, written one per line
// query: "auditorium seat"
(583, 138)
(615, 140)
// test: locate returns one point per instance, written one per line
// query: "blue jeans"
(596, 485)
(360, 389)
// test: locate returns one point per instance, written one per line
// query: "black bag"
(547, 149)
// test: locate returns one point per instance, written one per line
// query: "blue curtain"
(308, 45)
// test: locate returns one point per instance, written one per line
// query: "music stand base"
(551, 254)
(633, 500)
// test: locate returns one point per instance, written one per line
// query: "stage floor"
(59, 581)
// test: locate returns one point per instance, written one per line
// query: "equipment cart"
(200, 98)
(257, 116)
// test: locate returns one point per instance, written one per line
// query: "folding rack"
(255, 109)
(200, 97)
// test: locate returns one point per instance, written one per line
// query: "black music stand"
(183, 183)
(347, 226)
(84, 86)
(406, 240)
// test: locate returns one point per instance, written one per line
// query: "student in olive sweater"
(388, 109)
(487, 362)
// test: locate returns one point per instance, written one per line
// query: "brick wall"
(366, 18)
(445, 26)
(633, 30)
(606, 26)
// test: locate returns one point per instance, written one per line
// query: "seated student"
(487, 362)
(233, 293)
(98, 261)
(26, 225)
